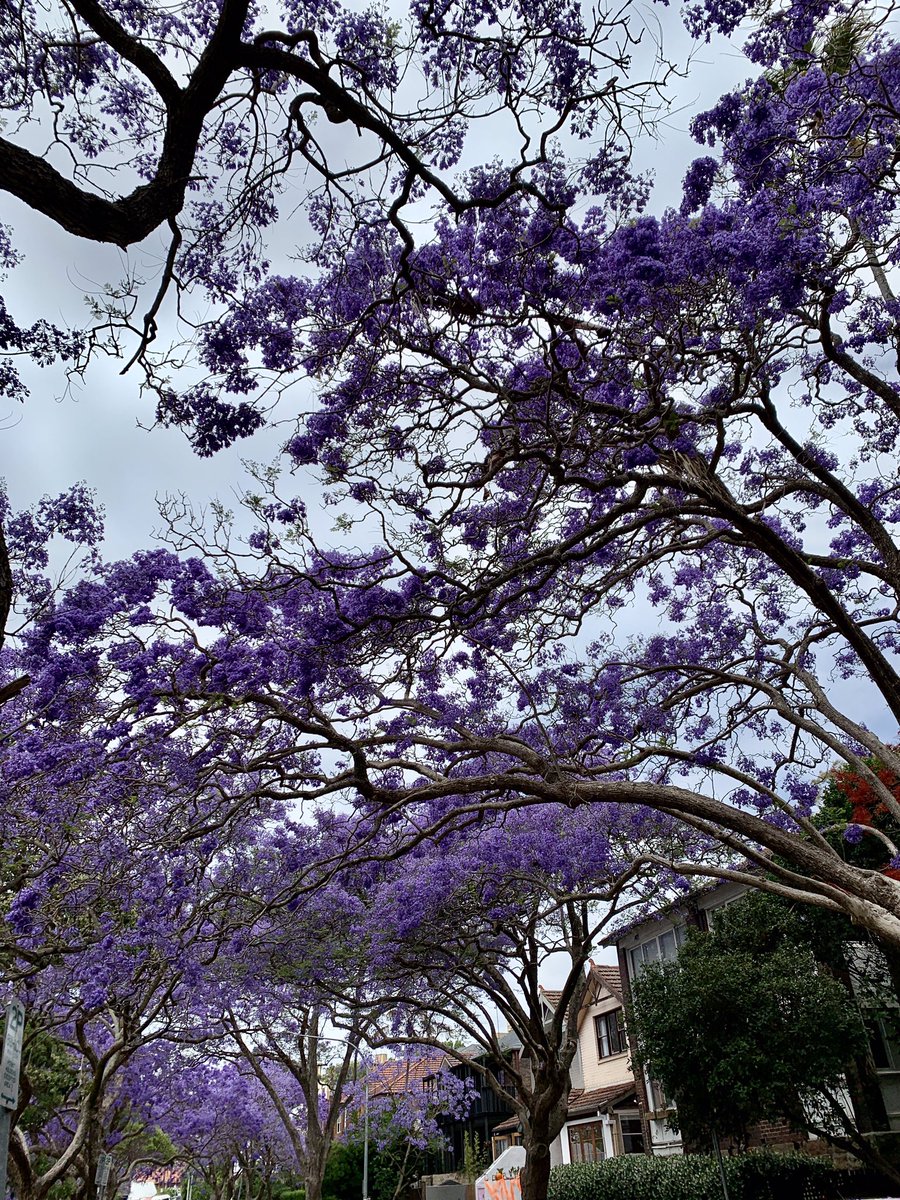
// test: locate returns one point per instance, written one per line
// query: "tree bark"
(545, 1120)
(536, 1172)
(317, 1147)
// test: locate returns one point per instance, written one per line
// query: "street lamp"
(324, 1037)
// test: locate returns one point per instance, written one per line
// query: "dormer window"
(610, 1029)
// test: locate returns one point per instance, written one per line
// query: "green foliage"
(158, 1143)
(760, 1175)
(761, 923)
(343, 1172)
(394, 1169)
(844, 42)
(742, 1027)
(476, 1157)
(48, 1070)
(291, 1192)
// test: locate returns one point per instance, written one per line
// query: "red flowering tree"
(852, 805)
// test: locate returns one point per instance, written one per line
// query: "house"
(488, 1111)
(396, 1076)
(388, 1079)
(604, 1113)
(604, 1117)
(417, 1076)
(657, 938)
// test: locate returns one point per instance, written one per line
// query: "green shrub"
(759, 1175)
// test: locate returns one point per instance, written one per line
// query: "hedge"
(759, 1175)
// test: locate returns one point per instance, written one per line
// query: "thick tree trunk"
(536, 1172)
(314, 1167)
(546, 1118)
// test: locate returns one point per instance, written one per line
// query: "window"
(586, 1142)
(632, 1135)
(885, 1051)
(611, 1033)
(659, 1102)
(661, 948)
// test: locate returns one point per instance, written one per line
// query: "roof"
(609, 977)
(396, 1075)
(505, 1041)
(582, 1103)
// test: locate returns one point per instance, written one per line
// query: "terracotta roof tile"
(581, 1102)
(400, 1075)
(610, 977)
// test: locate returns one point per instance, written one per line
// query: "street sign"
(11, 1059)
(101, 1178)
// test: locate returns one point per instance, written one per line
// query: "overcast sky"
(92, 431)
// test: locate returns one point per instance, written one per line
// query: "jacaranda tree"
(625, 484)
(577, 414)
(461, 933)
(207, 122)
(220, 1126)
(556, 405)
(116, 882)
(111, 915)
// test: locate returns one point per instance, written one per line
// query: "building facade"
(604, 1118)
(658, 939)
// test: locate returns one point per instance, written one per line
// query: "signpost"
(101, 1176)
(10, 1063)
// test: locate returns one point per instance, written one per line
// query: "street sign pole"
(101, 1177)
(10, 1062)
(5, 1123)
